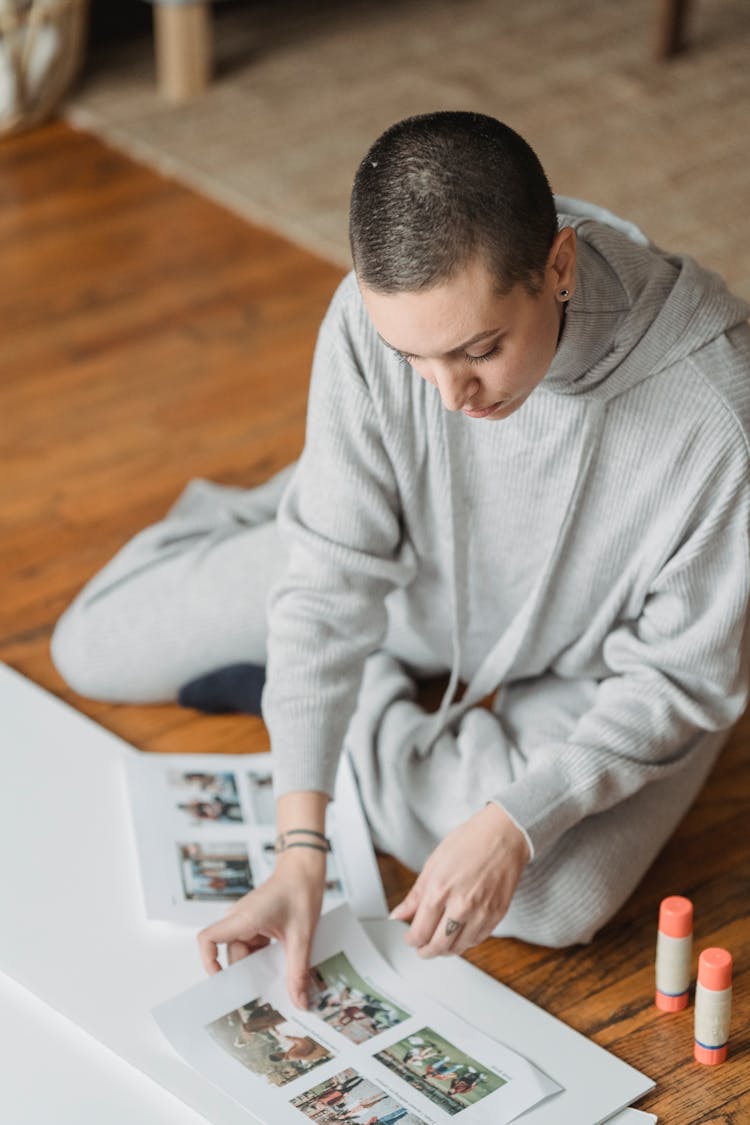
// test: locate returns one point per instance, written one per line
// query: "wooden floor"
(147, 336)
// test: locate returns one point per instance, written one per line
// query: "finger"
(407, 908)
(468, 937)
(479, 929)
(209, 952)
(260, 941)
(425, 921)
(227, 930)
(236, 950)
(298, 968)
(448, 933)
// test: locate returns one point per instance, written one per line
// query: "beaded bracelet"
(282, 844)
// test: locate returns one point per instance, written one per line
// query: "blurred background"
(268, 105)
(166, 169)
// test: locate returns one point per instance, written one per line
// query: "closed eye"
(484, 356)
(410, 359)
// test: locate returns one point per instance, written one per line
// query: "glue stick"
(674, 949)
(713, 1006)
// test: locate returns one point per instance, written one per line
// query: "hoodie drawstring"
(497, 663)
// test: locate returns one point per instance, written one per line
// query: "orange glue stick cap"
(710, 1056)
(715, 969)
(676, 916)
(666, 1003)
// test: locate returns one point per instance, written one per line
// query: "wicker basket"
(41, 49)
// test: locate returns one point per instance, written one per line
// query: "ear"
(561, 262)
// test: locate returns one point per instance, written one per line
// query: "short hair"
(436, 190)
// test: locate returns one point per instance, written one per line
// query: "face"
(484, 353)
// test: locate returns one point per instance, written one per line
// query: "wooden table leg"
(671, 31)
(183, 49)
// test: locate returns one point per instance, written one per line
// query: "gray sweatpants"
(188, 596)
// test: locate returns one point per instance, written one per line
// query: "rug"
(301, 89)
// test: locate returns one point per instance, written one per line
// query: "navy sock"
(236, 687)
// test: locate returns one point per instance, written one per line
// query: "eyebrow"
(453, 351)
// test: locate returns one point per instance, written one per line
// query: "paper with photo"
(370, 1048)
(204, 828)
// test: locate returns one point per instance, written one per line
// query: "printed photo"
(267, 1043)
(440, 1071)
(214, 872)
(350, 1097)
(206, 797)
(341, 997)
(333, 886)
(260, 784)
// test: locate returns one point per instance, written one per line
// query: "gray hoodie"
(598, 534)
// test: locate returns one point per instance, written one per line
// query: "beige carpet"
(302, 88)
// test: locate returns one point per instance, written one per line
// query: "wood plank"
(148, 337)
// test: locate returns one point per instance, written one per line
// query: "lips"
(485, 411)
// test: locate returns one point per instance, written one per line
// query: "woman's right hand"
(286, 907)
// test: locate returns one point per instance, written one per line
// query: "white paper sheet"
(369, 1037)
(204, 828)
(597, 1083)
(52, 1073)
(75, 935)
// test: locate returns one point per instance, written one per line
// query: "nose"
(456, 390)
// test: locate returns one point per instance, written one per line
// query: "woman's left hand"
(466, 885)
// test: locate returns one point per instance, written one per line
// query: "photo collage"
(226, 870)
(281, 1050)
(368, 1050)
(205, 832)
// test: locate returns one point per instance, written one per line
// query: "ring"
(451, 926)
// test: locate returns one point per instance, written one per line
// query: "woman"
(525, 466)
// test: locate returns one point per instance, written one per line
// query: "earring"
(564, 294)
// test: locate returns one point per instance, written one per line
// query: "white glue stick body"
(674, 951)
(713, 1006)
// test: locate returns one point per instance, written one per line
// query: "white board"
(74, 933)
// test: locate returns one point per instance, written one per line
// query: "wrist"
(301, 810)
(310, 838)
(302, 862)
(509, 835)
(301, 844)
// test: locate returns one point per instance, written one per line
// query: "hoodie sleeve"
(678, 671)
(340, 518)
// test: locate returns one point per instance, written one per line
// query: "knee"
(564, 928)
(559, 904)
(556, 927)
(105, 653)
(73, 653)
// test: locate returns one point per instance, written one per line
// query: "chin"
(505, 411)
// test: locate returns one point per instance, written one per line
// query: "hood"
(635, 310)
